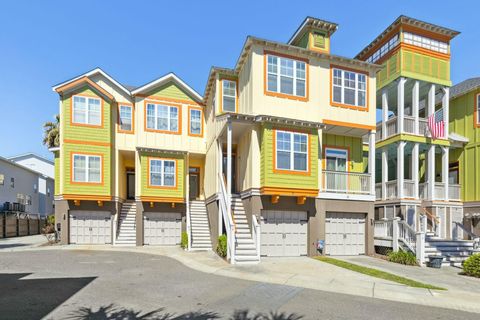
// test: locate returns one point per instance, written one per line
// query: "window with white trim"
(87, 110)
(229, 94)
(349, 87)
(195, 121)
(126, 118)
(286, 76)
(161, 117)
(424, 42)
(387, 47)
(291, 151)
(162, 173)
(87, 168)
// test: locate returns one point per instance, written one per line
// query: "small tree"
(51, 133)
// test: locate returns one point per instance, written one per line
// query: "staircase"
(455, 251)
(245, 249)
(200, 231)
(126, 235)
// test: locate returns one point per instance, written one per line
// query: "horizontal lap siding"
(354, 146)
(57, 173)
(177, 192)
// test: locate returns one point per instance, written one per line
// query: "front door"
(194, 182)
(336, 178)
(130, 185)
(234, 171)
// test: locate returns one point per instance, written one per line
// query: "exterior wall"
(213, 211)
(58, 178)
(36, 163)
(353, 145)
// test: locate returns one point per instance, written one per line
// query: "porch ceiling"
(345, 131)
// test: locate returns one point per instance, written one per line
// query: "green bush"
(51, 219)
(402, 257)
(184, 243)
(222, 246)
(471, 266)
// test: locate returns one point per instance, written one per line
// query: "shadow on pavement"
(112, 312)
(35, 298)
(12, 245)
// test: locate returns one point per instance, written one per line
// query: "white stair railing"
(459, 226)
(407, 235)
(226, 209)
(256, 235)
(189, 223)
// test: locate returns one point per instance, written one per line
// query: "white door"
(162, 228)
(283, 233)
(344, 234)
(90, 227)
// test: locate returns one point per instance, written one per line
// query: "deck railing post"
(420, 248)
(395, 233)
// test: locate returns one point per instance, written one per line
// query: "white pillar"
(431, 171)
(431, 100)
(415, 105)
(420, 247)
(400, 168)
(384, 172)
(187, 202)
(220, 168)
(229, 159)
(446, 107)
(415, 160)
(371, 160)
(395, 233)
(445, 152)
(384, 113)
(400, 103)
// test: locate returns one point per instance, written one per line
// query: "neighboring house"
(36, 163)
(272, 154)
(21, 184)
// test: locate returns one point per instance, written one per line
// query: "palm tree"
(51, 134)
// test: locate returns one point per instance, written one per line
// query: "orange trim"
(86, 197)
(163, 199)
(72, 154)
(157, 98)
(149, 159)
(385, 39)
(201, 122)
(284, 171)
(476, 123)
(89, 82)
(348, 106)
(348, 124)
(431, 53)
(76, 124)
(428, 34)
(312, 47)
(221, 93)
(125, 104)
(179, 108)
(283, 95)
(289, 191)
(91, 143)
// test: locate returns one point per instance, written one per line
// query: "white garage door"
(345, 234)
(90, 227)
(162, 228)
(283, 233)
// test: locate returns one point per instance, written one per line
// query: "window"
(21, 198)
(2, 179)
(12, 182)
(162, 118)
(291, 151)
(286, 76)
(349, 88)
(336, 159)
(195, 125)
(229, 94)
(87, 110)
(86, 168)
(162, 173)
(425, 42)
(387, 47)
(126, 116)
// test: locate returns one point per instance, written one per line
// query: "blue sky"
(43, 43)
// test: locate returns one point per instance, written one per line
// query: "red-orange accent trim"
(348, 124)
(76, 124)
(162, 199)
(289, 191)
(89, 82)
(91, 143)
(79, 197)
(201, 122)
(179, 108)
(284, 171)
(125, 104)
(102, 168)
(160, 98)
(162, 187)
(348, 106)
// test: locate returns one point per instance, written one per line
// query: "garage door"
(90, 227)
(162, 228)
(345, 234)
(283, 233)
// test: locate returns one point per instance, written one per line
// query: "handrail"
(226, 209)
(430, 215)
(407, 235)
(470, 233)
(256, 234)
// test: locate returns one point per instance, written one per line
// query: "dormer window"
(286, 76)
(229, 95)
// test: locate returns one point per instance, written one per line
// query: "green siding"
(390, 70)
(354, 146)
(269, 178)
(170, 90)
(177, 192)
(57, 172)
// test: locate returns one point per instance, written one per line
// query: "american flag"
(436, 125)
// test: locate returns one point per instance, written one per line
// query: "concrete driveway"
(92, 284)
(26, 242)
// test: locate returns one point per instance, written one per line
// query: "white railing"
(454, 192)
(422, 127)
(391, 189)
(256, 232)
(409, 188)
(379, 134)
(346, 182)
(383, 229)
(378, 190)
(391, 127)
(226, 209)
(423, 190)
(408, 127)
(407, 235)
(439, 191)
(409, 124)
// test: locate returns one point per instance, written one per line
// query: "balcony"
(408, 127)
(409, 191)
(340, 182)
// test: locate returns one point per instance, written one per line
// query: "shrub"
(51, 219)
(402, 257)
(471, 266)
(49, 229)
(184, 243)
(222, 246)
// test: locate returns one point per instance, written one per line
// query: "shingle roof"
(464, 87)
(129, 87)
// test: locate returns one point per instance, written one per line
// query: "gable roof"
(464, 87)
(311, 22)
(30, 155)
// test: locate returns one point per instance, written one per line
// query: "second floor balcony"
(346, 183)
(422, 193)
(410, 126)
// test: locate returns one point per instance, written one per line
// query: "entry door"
(130, 185)
(194, 183)
(344, 234)
(234, 170)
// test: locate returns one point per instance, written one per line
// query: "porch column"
(415, 105)
(431, 171)
(415, 159)
(446, 107)
(400, 103)
(220, 170)
(229, 159)
(371, 160)
(445, 153)
(431, 100)
(400, 168)
(384, 172)
(187, 201)
(384, 113)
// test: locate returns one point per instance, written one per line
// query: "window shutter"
(319, 40)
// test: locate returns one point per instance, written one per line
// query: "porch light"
(275, 199)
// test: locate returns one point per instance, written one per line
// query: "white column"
(384, 113)
(400, 168)
(415, 104)
(431, 100)
(384, 172)
(220, 171)
(445, 152)
(371, 160)
(395, 233)
(187, 202)
(400, 103)
(415, 160)
(420, 247)
(446, 107)
(431, 171)
(229, 159)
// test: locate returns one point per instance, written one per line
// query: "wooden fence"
(16, 225)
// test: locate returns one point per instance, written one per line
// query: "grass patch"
(377, 273)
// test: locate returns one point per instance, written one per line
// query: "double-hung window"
(349, 88)
(163, 118)
(291, 151)
(162, 173)
(287, 76)
(195, 121)
(87, 168)
(87, 110)
(229, 94)
(126, 116)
